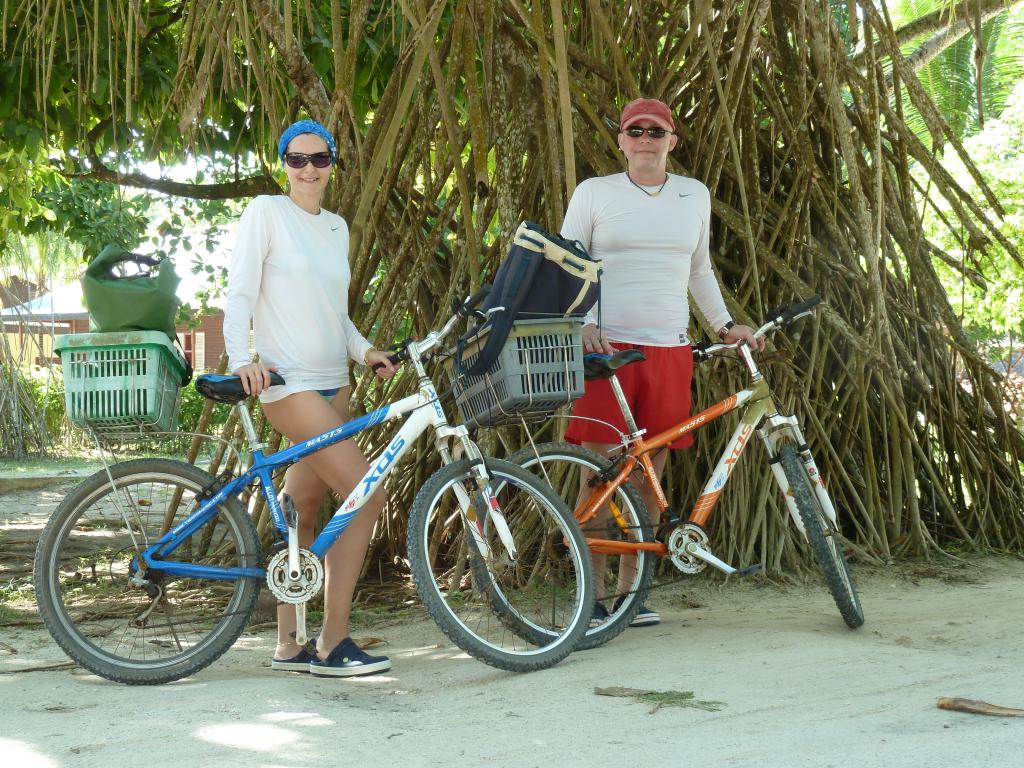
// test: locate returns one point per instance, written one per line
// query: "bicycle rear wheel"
(622, 582)
(548, 587)
(170, 628)
(823, 538)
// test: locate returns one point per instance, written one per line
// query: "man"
(651, 229)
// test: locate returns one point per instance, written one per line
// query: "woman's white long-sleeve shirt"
(654, 248)
(290, 276)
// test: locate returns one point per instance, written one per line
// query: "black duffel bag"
(543, 276)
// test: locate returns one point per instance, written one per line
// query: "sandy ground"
(794, 686)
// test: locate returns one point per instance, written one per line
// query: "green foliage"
(990, 315)
(47, 392)
(95, 214)
(191, 409)
(951, 78)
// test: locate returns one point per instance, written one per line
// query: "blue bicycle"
(149, 570)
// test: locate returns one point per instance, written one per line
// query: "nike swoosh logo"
(335, 229)
(682, 195)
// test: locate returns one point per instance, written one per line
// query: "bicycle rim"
(622, 582)
(548, 586)
(824, 539)
(122, 631)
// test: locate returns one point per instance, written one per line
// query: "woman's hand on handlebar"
(594, 341)
(380, 363)
(255, 377)
(744, 333)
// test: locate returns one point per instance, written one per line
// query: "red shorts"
(657, 391)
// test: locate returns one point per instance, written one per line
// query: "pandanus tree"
(807, 119)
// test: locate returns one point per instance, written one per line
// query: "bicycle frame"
(759, 414)
(420, 418)
(424, 411)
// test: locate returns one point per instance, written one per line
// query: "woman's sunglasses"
(636, 133)
(299, 160)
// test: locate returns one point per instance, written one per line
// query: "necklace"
(647, 191)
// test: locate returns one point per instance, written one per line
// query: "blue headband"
(306, 126)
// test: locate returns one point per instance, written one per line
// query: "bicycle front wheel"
(622, 582)
(168, 627)
(548, 586)
(823, 538)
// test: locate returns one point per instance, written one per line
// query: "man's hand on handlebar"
(744, 333)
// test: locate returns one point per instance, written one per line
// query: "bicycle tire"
(563, 462)
(82, 572)
(823, 538)
(459, 589)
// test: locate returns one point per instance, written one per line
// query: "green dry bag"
(129, 292)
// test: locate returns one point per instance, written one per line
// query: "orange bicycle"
(616, 521)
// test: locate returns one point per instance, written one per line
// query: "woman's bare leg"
(300, 417)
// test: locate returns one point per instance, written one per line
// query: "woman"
(289, 274)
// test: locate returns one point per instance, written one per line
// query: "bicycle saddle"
(227, 389)
(601, 366)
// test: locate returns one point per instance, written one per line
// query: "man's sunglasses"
(654, 133)
(299, 160)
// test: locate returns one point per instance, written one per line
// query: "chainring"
(676, 543)
(309, 583)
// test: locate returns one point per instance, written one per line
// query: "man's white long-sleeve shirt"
(654, 248)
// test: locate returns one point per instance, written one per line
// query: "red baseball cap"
(649, 109)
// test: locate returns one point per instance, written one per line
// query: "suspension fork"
(776, 430)
(482, 504)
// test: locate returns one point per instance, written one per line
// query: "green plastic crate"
(539, 369)
(121, 383)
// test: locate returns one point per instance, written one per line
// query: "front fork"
(777, 430)
(483, 504)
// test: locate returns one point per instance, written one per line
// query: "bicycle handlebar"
(784, 315)
(465, 308)
(468, 305)
(778, 319)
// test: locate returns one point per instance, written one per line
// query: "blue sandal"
(297, 663)
(348, 660)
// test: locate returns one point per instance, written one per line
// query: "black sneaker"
(348, 660)
(600, 614)
(645, 617)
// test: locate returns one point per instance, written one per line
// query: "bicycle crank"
(688, 548)
(300, 590)
(681, 543)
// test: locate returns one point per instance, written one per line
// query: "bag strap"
(188, 366)
(513, 292)
(500, 328)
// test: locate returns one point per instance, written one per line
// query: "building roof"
(62, 303)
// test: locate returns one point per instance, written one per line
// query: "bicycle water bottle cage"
(228, 389)
(601, 366)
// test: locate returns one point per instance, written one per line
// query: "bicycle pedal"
(750, 570)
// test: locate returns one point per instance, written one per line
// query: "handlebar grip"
(395, 359)
(786, 314)
(798, 309)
